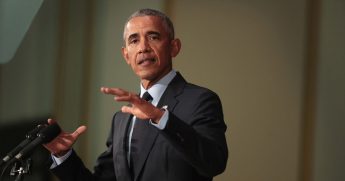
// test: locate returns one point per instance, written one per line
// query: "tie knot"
(147, 97)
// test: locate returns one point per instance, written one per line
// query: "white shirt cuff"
(58, 160)
(163, 121)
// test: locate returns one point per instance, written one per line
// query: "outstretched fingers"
(113, 91)
(121, 95)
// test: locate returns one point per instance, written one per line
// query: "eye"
(133, 41)
(153, 37)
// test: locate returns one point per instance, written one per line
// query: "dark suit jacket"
(192, 147)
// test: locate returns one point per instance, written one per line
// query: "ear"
(175, 47)
(125, 54)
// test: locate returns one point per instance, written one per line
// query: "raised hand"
(64, 141)
(139, 107)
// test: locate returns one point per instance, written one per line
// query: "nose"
(144, 46)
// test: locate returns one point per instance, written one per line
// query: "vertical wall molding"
(87, 72)
(310, 91)
(61, 60)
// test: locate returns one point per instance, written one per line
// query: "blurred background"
(277, 65)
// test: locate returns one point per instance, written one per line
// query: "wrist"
(158, 113)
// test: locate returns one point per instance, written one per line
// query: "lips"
(146, 61)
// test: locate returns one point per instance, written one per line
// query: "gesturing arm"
(72, 168)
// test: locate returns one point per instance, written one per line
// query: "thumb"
(79, 131)
(127, 109)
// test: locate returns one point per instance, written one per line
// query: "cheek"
(163, 54)
(130, 59)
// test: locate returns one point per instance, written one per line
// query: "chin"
(146, 75)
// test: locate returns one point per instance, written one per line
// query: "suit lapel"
(168, 99)
(174, 89)
(119, 148)
(149, 138)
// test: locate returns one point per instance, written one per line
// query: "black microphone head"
(33, 133)
(49, 133)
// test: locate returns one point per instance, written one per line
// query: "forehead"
(144, 24)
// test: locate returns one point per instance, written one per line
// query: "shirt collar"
(157, 90)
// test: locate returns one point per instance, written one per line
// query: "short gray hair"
(151, 12)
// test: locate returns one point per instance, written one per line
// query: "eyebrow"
(153, 33)
(135, 35)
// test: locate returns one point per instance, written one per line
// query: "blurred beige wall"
(252, 53)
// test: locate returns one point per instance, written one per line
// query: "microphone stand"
(24, 168)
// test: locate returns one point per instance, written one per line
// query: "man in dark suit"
(173, 131)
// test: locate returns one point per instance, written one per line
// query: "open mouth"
(146, 61)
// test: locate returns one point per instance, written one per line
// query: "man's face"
(148, 48)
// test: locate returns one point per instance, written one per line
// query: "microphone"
(44, 136)
(31, 135)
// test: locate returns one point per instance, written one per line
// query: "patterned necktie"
(140, 127)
